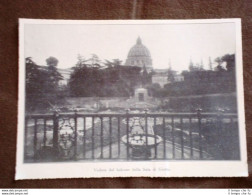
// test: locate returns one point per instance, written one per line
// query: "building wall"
(140, 61)
(178, 78)
(65, 73)
(160, 79)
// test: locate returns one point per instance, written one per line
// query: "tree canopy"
(41, 84)
(94, 80)
(52, 61)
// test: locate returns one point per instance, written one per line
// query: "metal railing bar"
(182, 138)
(84, 137)
(155, 123)
(101, 137)
(146, 135)
(92, 137)
(35, 140)
(164, 137)
(44, 139)
(221, 131)
(127, 132)
(110, 138)
(200, 136)
(75, 137)
(186, 115)
(191, 141)
(119, 137)
(173, 140)
(55, 130)
(25, 137)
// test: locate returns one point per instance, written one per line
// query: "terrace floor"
(160, 152)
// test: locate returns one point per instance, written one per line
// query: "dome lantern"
(139, 41)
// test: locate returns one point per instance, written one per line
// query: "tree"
(83, 75)
(219, 64)
(201, 66)
(171, 75)
(51, 82)
(53, 74)
(145, 77)
(191, 66)
(52, 61)
(32, 73)
(229, 59)
(115, 62)
(210, 64)
(34, 86)
(32, 80)
(40, 86)
(196, 67)
(114, 80)
(230, 62)
(81, 61)
(154, 90)
(108, 63)
(95, 61)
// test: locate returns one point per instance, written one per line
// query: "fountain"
(141, 138)
(66, 139)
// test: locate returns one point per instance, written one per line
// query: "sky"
(177, 43)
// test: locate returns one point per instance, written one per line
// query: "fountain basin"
(141, 144)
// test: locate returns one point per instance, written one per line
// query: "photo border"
(169, 168)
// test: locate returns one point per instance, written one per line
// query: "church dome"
(140, 56)
(139, 50)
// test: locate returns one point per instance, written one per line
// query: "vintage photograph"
(130, 91)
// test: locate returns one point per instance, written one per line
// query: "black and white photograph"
(130, 98)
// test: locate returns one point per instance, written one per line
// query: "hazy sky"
(175, 42)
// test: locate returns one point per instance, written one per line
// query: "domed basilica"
(139, 55)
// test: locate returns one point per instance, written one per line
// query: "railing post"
(173, 138)
(164, 137)
(119, 136)
(101, 140)
(127, 131)
(191, 138)
(35, 140)
(110, 137)
(44, 139)
(75, 134)
(182, 138)
(200, 133)
(93, 155)
(147, 152)
(220, 131)
(84, 137)
(25, 137)
(55, 129)
(155, 124)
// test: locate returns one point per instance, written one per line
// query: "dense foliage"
(198, 81)
(111, 80)
(41, 84)
(93, 78)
